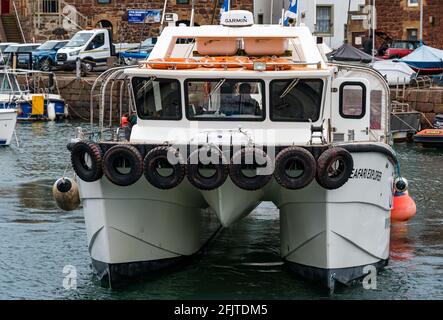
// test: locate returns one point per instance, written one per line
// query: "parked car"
(23, 52)
(3, 47)
(400, 48)
(133, 56)
(44, 57)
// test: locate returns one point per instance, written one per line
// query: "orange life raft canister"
(173, 63)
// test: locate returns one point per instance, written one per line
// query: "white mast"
(421, 22)
(163, 14)
(373, 30)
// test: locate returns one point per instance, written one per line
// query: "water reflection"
(401, 248)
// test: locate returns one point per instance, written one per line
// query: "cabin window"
(376, 109)
(296, 100)
(225, 100)
(157, 99)
(352, 100)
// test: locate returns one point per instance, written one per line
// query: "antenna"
(192, 13)
(163, 15)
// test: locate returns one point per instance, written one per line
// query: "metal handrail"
(18, 21)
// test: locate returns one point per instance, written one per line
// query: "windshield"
(80, 39)
(296, 100)
(50, 45)
(157, 99)
(3, 47)
(225, 100)
(8, 84)
(11, 49)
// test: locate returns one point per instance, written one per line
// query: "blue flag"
(226, 6)
(292, 12)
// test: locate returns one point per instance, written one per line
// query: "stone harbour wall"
(427, 101)
(77, 95)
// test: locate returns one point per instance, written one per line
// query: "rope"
(77, 114)
(426, 118)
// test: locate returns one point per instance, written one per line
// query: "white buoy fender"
(66, 194)
(51, 111)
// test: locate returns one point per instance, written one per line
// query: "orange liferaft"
(224, 62)
(173, 63)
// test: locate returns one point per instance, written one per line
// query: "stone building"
(46, 19)
(400, 19)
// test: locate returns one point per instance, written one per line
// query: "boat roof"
(302, 36)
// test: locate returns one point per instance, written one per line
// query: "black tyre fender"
(203, 182)
(93, 171)
(238, 164)
(151, 163)
(131, 156)
(295, 156)
(332, 178)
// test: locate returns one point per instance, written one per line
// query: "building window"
(50, 6)
(412, 34)
(182, 1)
(324, 20)
(104, 1)
(412, 3)
(260, 18)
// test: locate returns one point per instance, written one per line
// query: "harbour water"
(37, 241)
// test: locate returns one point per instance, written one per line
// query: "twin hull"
(326, 235)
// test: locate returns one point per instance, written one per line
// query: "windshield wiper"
(142, 90)
(217, 86)
(289, 88)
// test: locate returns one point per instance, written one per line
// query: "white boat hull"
(8, 119)
(142, 228)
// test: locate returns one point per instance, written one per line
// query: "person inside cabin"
(228, 102)
(247, 105)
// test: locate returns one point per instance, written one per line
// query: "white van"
(92, 47)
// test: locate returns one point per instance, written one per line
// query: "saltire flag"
(226, 6)
(291, 13)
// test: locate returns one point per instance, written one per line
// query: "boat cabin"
(269, 81)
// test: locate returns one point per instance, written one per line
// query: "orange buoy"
(272, 64)
(173, 63)
(224, 62)
(404, 207)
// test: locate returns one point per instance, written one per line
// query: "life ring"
(173, 63)
(272, 64)
(121, 155)
(156, 159)
(86, 158)
(218, 164)
(224, 62)
(239, 164)
(295, 158)
(334, 168)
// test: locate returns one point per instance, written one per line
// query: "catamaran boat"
(34, 94)
(8, 119)
(241, 114)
